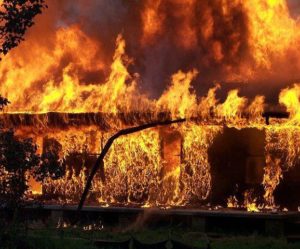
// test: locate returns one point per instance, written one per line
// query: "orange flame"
(53, 79)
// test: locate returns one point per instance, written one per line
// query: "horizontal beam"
(103, 120)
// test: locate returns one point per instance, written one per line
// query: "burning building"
(76, 87)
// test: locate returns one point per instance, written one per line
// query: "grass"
(58, 243)
(252, 243)
(224, 243)
(195, 239)
(76, 238)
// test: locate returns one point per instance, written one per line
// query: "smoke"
(294, 7)
(142, 220)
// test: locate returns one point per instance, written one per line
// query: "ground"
(73, 238)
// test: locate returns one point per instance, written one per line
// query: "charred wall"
(237, 161)
(236, 157)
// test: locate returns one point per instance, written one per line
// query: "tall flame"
(272, 30)
(179, 99)
(237, 39)
(290, 98)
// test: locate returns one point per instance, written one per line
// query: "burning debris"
(63, 104)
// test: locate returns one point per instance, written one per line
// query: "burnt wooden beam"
(279, 115)
(62, 120)
(104, 121)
